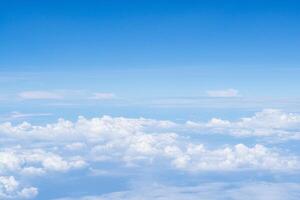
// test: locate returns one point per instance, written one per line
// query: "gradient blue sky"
(202, 65)
(145, 51)
(61, 35)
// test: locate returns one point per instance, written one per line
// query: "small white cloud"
(223, 93)
(10, 188)
(9, 184)
(40, 95)
(36, 162)
(103, 96)
(33, 171)
(75, 146)
(28, 193)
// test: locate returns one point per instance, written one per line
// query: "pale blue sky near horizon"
(147, 50)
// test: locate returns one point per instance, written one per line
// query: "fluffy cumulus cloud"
(10, 188)
(196, 157)
(269, 122)
(132, 141)
(32, 151)
(23, 162)
(35, 161)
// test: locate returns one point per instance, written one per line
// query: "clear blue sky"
(61, 35)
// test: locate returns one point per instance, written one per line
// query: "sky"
(149, 99)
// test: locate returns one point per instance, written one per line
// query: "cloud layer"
(32, 151)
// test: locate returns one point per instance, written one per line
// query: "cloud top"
(84, 145)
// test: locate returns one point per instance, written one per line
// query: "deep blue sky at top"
(92, 35)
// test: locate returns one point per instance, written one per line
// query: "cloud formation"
(223, 93)
(10, 188)
(38, 150)
(267, 123)
(132, 141)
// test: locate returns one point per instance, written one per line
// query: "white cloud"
(223, 93)
(103, 96)
(239, 157)
(40, 95)
(269, 122)
(33, 171)
(90, 129)
(10, 188)
(9, 184)
(36, 162)
(75, 146)
(28, 193)
(137, 142)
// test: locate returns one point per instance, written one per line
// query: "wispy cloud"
(103, 96)
(223, 93)
(65, 95)
(215, 190)
(18, 115)
(40, 95)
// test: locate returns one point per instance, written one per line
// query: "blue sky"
(61, 35)
(149, 100)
